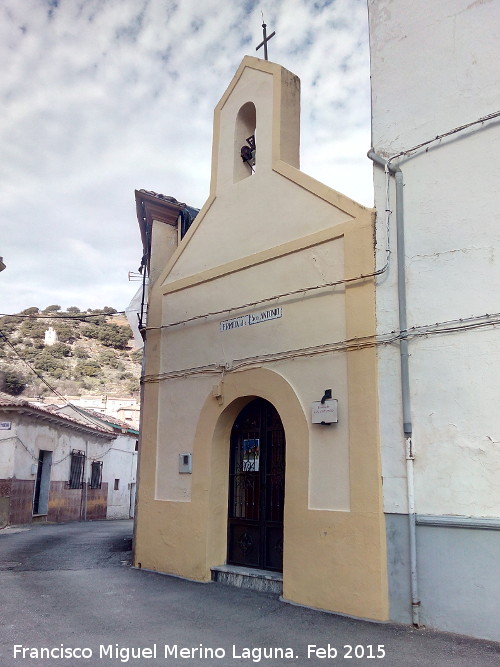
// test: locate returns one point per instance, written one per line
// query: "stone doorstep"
(39, 518)
(247, 577)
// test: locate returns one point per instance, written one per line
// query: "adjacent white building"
(436, 124)
(64, 465)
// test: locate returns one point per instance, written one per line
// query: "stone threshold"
(248, 577)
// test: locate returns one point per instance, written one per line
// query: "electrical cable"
(78, 317)
(460, 128)
(259, 302)
(357, 343)
(52, 389)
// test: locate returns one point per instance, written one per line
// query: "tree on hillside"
(113, 335)
(48, 363)
(87, 368)
(9, 323)
(66, 332)
(12, 382)
(52, 309)
(60, 350)
(33, 328)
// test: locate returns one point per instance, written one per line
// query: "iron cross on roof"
(265, 40)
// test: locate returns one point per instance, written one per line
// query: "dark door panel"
(256, 488)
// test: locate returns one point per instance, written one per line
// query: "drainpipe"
(85, 481)
(405, 378)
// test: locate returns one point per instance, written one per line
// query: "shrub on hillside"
(46, 361)
(66, 332)
(60, 350)
(12, 382)
(87, 368)
(113, 335)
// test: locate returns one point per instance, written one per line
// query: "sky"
(102, 97)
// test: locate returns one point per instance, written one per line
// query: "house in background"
(55, 468)
(119, 464)
(436, 141)
(124, 408)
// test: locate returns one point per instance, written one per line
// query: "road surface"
(68, 592)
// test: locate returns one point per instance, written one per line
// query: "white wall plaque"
(325, 413)
(253, 318)
(5, 426)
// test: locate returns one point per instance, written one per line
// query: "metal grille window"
(76, 470)
(96, 475)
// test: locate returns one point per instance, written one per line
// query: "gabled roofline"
(278, 165)
(21, 407)
(112, 422)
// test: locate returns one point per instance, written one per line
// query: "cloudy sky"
(100, 97)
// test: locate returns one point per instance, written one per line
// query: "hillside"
(94, 353)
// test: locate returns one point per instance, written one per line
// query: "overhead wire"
(47, 384)
(276, 297)
(78, 316)
(460, 128)
(352, 344)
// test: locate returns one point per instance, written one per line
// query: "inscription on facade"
(252, 318)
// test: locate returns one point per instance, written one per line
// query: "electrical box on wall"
(185, 463)
(325, 412)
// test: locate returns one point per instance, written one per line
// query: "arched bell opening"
(244, 142)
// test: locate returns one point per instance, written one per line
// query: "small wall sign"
(252, 318)
(5, 426)
(325, 413)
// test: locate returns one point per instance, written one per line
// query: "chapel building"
(260, 449)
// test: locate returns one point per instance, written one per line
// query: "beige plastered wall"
(334, 543)
(188, 536)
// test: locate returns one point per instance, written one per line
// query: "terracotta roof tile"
(8, 401)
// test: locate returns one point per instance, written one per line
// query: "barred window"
(96, 475)
(76, 470)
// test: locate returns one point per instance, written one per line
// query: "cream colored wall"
(164, 246)
(309, 317)
(272, 233)
(260, 212)
(333, 511)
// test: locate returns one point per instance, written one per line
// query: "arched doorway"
(256, 488)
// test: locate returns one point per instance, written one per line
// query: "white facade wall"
(121, 464)
(452, 236)
(119, 458)
(434, 69)
(20, 447)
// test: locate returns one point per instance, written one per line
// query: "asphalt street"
(68, 592)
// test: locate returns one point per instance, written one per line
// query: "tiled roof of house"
(114, 421)
(9, 402)
(158, 195)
